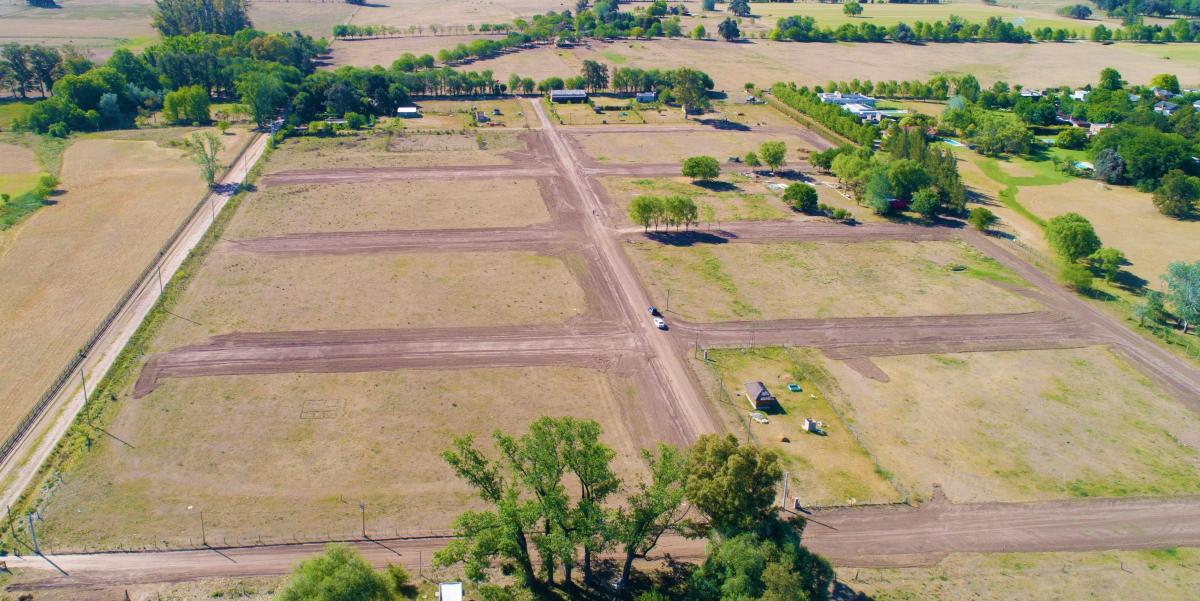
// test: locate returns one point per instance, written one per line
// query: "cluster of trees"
(1158, 8)
(345, 30)
(1182, 30)
(27, 69)
(553, 491)
(677, 210)
(183, 17)
(1075, 241)
(828, 115)
(990, 132)
(956, 29)
(111, 95)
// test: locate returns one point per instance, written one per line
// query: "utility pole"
(12, 532)
(33, 534)
(83, 381)
(160, 286)
(362, 507)
(203, 534)
(785, 489)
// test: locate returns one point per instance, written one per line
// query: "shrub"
(1071, 138)
(701, 168)
(188, 104)
(801, 197)
(355, 120)
(981, 218)
(1076, 277)
(1072, 236)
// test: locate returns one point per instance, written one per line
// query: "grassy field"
(456, 114)
(390, 206)
(825, 470)
(96, 27)
(65, 266)
(19, 170)
(1148, 574)
(299, 473)
(11, 109)
(1024, 425)
(244, 292)
(311, 18)
(886, 15)
(242, 589)
(824, 279)
(674, 146)
(398, 149)
(738, 199)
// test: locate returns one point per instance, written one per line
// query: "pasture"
(735, 198)
(395, 149)
(672, 147)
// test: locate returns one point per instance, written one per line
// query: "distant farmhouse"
(568, 96)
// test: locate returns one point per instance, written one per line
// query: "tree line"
(829, 115)
(27, 69)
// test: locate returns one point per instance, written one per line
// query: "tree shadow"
(724, 124)
(1129, 281)
(713, 185)
(686, 238)
(843, 592)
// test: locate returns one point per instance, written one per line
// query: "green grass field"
(11, 109)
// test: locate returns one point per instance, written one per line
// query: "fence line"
(68, 373)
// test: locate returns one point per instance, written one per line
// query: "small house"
(568, 96)
(647, 97)
(1163, 94)
(759, 396)
(1165, 108)
(408, 112)
(481, 118)
(811, 425)
(1080, 95)
(450, 591)
(1096, 128)
(1031, 93)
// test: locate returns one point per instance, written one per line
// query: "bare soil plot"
(311, 18)
(244, 589)
(65, 267)
(249, 292)
(396, 205)
(825, 470)
(674, 146)
(765, 62)
(281, 455)
(1123, 217)
(745, 200)
(825, 279)
(399, 149)
(1148, 574)
(583, 114)
(1024, 425)
(18, 169)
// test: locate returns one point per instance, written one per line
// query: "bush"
(981, 218)
(1072, 236)
(1176, 195)
(188, 104)
(1071, 138)
(801, 197)
(1076, 277)
(355, 120)
(926, 202)
(751, 159)
(701, 168)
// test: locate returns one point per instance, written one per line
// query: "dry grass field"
(402, 13)
(749, 200)
(245, 292)
(673, 147)
(243, 589)
(1024, 425)
(824, 279)
(18, 169)
(389, 206)
(381, 149)
(65, 266)
(764, 62)
(269, 455)
(311, 18)
(456, 114)
(831, 15)
(825, 470)
(1146, 574)
(96, 27)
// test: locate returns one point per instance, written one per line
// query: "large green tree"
(701, 168)
(264, 94)
(728, 30)
(188, 104)
(1183, 291)
(653, 508)
(689, 87)
(183, 17)
(339, 574)
(773, 153)
(205, 148)
(1176, 194)
(733, 485)
(1072, 236)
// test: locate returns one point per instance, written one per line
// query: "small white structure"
(408, 112)
(450, 591)
(1096, 128)
(846, 99)
(1080, 95)
(1031, 93)
(810, 425)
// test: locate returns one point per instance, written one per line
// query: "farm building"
(1165, 108)
(760, 397)
(845, 99)
(408, 112)
(568, 96)
(647, 97)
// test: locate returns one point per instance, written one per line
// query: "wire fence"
(74, 367)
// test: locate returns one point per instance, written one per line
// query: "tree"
(1183, 291)
(852, 9)
(1071, 138)
(355, 120)
(184, 17)
(16, 65)
(680, 210)
(339, 574)
(699, 33)
(1110, 167)
(733, 485)
(590, 461)
(1108, 262)
(981, 218)
(878, 191)
(1153, 308)
(654, 508)
(205, 148)
(751, 159)
(801, 197)
(1166, 81)
(1076, 277)
(906, 176)
(773, 154)
(1072, 236)
(644, 210)
(690, 90)
(263, 93)
(728, 30)
(1176, 194)
(926, 203)
(701, 168)
(595, 75)
(188, 104)
(1077, 11)
(750, 566)
(1110, 79)
(740, 8)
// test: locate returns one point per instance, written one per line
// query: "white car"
(660, 323)
(759, 418)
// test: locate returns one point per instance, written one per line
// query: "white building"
(845, 99)
(1080, 95)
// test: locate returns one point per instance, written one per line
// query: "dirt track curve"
(883, 536)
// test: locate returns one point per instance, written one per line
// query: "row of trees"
(671, 211)
(956, 29)
(183, 17)
(28, 69)
(828, 115)
(554, 505)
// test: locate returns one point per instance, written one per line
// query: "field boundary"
(68, 372)
(804, 120)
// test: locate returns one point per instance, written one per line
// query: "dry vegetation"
(246, 292)
(65, 267)
(1024, 425)
(456, 114)
(1146, 574)
(674, 146)
(832, 469)
(397, 205)
(95, 26)
(18, 169)
(395, 149)
(747, 200)
(824, 279)
(298, 473)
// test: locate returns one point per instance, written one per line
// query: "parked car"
(654, 310)
(759, 418)
(660, 323)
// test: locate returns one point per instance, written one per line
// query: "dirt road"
(881, 536)
(521, 238)
(19, 468)
(378, 174)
